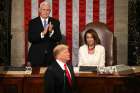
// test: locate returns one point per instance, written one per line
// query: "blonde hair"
(58, 49)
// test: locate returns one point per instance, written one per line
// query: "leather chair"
(106, 37)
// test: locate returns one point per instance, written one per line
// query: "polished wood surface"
(21, 82)
(93, 83)
(34, 83)
(87, 82)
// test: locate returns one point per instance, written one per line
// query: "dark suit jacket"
(40, 52)
(54, 80)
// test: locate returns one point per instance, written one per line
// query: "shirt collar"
(42, 19)
(60, 63)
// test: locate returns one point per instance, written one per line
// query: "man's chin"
(45, 16)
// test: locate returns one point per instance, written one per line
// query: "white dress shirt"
(42, 20)
(95, 59)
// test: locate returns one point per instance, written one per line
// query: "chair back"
(106, 38)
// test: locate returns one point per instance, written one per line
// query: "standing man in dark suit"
(59, 77)
(44, 33)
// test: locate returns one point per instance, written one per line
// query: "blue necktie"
(45, 23)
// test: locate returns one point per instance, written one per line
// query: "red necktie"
(68, 75)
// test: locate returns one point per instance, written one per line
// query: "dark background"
(5, 31)
(134, 32)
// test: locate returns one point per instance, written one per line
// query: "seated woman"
(92, 53)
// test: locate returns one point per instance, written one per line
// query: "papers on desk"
(15, 70)
(12, 72)
(117, 69)
(20, 70)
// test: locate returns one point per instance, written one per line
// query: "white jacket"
(95, 59)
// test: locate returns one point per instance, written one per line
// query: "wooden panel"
(108, 85)
(11, 85)
(86, 83)
(90, 85)
(33, 85)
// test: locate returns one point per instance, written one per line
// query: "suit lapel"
(40, 23)
(49, 20)
(58, 68)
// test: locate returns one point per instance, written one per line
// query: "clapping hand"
(46, 30)
(50, 27)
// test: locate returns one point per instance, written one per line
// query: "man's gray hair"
(44, 3)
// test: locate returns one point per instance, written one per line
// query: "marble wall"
(17, 31)
(121, 30)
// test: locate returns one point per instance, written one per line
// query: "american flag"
(73, 16)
